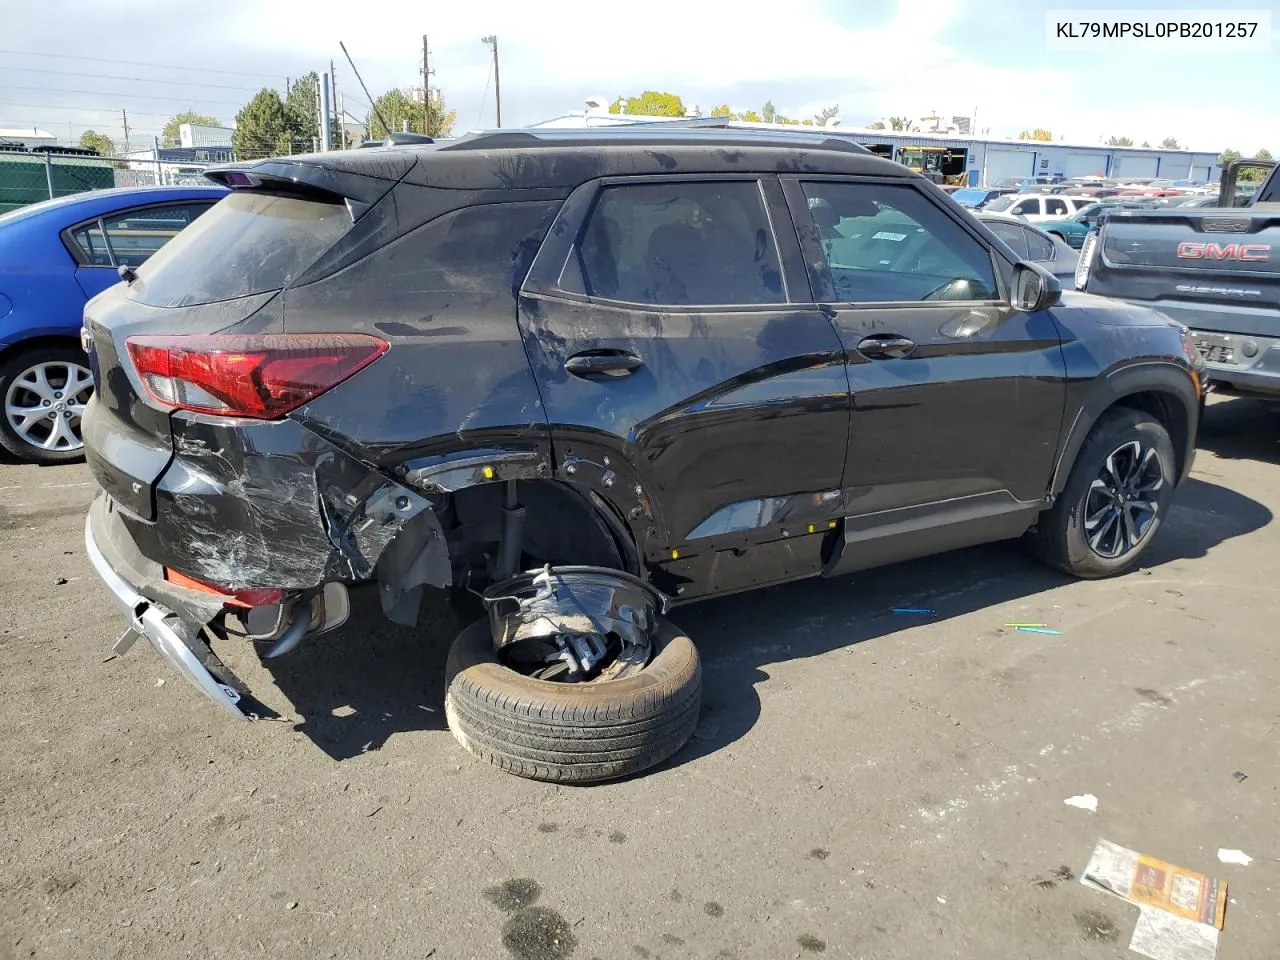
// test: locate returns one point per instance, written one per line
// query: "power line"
(58, 106)
(124, 96)
(138, 63)
(104, 76)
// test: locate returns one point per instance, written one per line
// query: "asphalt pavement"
(862, 783)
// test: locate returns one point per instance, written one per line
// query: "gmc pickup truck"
(1214, 269)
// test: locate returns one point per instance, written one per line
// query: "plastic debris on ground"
(1045, 631)
(1181, 911)
(1085, 801)
(1235, 856)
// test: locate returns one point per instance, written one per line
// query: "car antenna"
(372, 103)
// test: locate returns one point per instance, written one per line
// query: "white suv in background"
(1036, 206)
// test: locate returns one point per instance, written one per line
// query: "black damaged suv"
(591, 375)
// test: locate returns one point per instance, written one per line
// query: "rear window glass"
(248, 243)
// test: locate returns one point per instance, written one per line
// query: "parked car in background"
(594, 374)
(55, 256)
(1073, 229)
(1027, 184)
(1032, 243)
(975, 198)
(1038, 206)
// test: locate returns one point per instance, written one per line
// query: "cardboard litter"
(1161, 935)
(1149, 882)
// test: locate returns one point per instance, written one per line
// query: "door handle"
(611, 363)
(886, 346)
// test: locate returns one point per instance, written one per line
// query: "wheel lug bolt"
(57, 396)
(45, 402)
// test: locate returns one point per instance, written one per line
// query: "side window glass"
(681, 244)
(137, 234)
(1012, 234)
(89, 239)
(889, 243)
(1055, 207)
(1027, 207)
(1038, 247)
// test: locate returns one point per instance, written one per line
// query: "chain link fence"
(29, 176)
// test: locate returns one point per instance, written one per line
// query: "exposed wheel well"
(563, 524)
(1168, 410)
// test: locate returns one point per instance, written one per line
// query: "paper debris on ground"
(1161, 935)
(1235, 856)
(1086, 801)
(1149, 882)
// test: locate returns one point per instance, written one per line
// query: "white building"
(26, 137)
(192, 135)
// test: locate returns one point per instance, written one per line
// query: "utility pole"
(333, 104)
(326, 139)
(426, 88)
(492, 42)
(125, 117)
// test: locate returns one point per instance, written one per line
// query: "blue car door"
(126, 238)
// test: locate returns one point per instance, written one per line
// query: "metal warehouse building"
(987, 162)
(982, 161)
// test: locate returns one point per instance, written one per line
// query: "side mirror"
(1034, 288)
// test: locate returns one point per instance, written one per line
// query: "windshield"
(1000, 203)
(248, 243)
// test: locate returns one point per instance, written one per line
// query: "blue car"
(55, 256)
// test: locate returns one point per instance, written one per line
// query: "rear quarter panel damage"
(277, 505)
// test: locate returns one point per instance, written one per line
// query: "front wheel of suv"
(572, 732)
(1115, 499)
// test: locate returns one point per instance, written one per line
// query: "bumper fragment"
(178, 642)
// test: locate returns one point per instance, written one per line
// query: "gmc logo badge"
(1193, 250)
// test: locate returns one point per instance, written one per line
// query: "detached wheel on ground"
(1115, 499)
(572, 732)
(44, 391)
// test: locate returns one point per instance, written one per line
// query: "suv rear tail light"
(263, 376)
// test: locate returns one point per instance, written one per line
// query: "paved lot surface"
(862, 784)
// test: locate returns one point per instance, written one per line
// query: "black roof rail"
(622, 132)
(400, 140)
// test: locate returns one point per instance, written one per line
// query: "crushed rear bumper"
(176, 638)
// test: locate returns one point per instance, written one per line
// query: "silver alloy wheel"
(1121, 504)
(45, 403)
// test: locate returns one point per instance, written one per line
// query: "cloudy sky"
(955, 57)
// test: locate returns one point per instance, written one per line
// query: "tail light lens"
(263, 376)
(1088, 250)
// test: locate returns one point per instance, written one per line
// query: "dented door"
(686, 375)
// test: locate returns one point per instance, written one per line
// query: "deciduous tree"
(651, 103)
(1169, 143)
(1119, 142)
(92, 140)
(1039, 133)
(398, 106)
